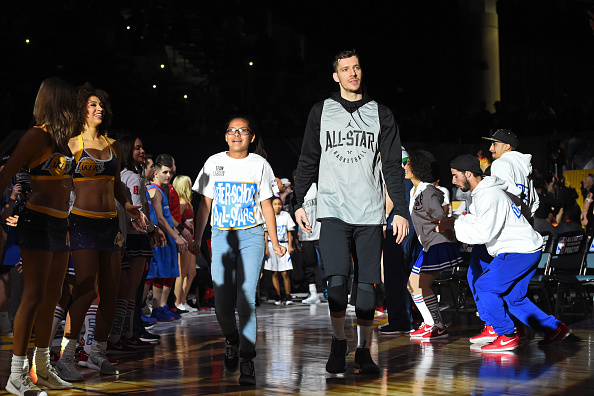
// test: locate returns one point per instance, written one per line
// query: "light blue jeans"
(237, 257)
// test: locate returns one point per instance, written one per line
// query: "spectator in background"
(549, 207)
(187, 261)
(570, 220)
(587, 216)
(486, 159)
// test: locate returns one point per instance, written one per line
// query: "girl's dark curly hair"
(423, 165)
(84, 93)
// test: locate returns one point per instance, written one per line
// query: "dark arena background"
(176, 70)
(451, 71)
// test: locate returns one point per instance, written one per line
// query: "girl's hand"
(279, 250)
(267, 253)
(138, 218)
(291, 250)
(187, 235)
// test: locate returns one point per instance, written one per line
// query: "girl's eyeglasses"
(241, 131)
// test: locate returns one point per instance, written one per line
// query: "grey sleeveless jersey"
(350, 186)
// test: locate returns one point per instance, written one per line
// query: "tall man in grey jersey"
(345, 137)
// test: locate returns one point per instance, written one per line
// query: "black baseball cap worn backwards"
(467, 162)
(505, 136)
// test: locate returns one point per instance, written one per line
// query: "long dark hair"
(84, 93)
(127, 161)
(55, 106)
(257, 146)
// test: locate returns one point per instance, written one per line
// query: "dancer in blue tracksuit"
(514, 169)
(495, 221)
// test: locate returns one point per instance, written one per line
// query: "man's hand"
(303, 222)
(400, 228)
(445, 224)
(194, 247)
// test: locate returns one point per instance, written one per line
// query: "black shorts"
(40, 231)
(336, 237)
(95, 234)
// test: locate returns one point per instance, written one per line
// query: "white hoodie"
(514, 169)
(495, 221)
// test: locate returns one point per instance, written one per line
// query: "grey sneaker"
(66, 369)
(98, 361)
(51, 379)
(23, 386)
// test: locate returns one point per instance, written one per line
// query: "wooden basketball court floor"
(294, 344)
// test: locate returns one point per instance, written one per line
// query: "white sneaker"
(312, 299)
(66, 369)
(23, 386)
(186, 307)
(98, 361)
(51, 379)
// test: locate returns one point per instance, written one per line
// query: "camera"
(23, 177)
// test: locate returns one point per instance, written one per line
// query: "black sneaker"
(248, 373)
(232, 354)
(338, 353)
(363, 362)
(149, 337)
(389, 329)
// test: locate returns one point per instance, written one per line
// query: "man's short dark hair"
(343, 55)
(164, 160)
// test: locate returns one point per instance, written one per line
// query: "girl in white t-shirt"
(236, 190)
(284, 226)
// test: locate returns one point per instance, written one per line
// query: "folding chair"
(564, 267)
(537, 289)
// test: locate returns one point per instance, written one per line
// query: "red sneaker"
(83, 358)
(486, 335)
(435, 333)
(502, 343)
(561, 333)
(420, 331)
